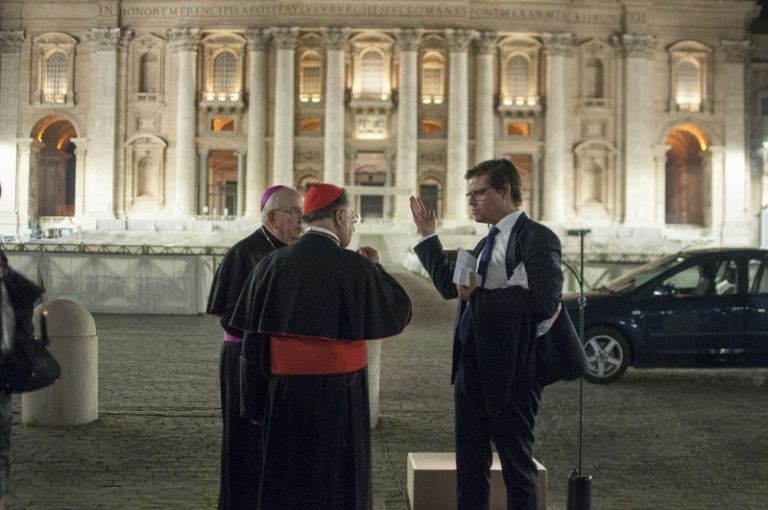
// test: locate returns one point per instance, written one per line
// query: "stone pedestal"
(73, 399)
(432, 482)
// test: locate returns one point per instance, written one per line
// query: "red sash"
(301, 356)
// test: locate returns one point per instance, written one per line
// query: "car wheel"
(608, 355)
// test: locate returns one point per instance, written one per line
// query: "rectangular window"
(518, 129)
(432, 127)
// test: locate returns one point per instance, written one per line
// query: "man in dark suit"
(512, 298)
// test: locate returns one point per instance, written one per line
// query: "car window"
(711, 277)
(726, 277)
(758, 276)
(643, 274)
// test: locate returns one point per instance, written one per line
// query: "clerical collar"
(323, 232)
(272, 239)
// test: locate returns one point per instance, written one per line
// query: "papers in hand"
(465, 264)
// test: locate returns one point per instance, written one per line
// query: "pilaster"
(736, 179)
(256, 160)
(10, 50)
(407, 118)
(100, 181)
(557, 47)
(637, 51)
(185, 41)
(334, 129)
(282, 157)
(484, 136)
(458, 129)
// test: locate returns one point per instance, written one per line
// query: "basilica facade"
(631, 117)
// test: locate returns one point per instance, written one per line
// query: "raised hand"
(369, 253)
(425, 220)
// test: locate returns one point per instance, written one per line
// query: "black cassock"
(240, 441)
(317, 427)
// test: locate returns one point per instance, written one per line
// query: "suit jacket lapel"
(511, 259)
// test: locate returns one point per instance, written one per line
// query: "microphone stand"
(580, 485)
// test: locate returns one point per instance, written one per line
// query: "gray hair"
(328, 210)
(269, 206)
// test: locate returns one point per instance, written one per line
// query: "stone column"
(639, 199)
(660, 182)
(484, 135)
(100, 200)
(718, 156)
(458, 126)
(389, 154)
(202, 190)
(240, 184)
(537, 167)
(556, 48)
(282, 156)
(407, 119)
(81, 151)
(333, 153)
(737, 178)
(28, 150)
(10, 49)
(256, 160)
(184, 42)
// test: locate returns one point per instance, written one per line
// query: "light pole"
(580, 485)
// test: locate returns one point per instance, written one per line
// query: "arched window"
(688, 85)
(518, 79)
(148, 74)
(593, 79)
(371, 73)
(56, 78)
(310, 83)
(432, 71)
(225, 75)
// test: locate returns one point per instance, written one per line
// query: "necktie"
(485, 256)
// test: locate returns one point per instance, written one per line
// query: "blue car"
(694, 309)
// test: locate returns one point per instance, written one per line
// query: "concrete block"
(432, 482)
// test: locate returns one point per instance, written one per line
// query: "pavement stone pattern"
(655, 440)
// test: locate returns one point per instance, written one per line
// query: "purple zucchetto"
(270, 191)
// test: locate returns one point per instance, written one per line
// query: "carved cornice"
(560, 44)
(408, 38)
(10, 42)
(487, 42)
(635, 45)
(258, 38)
(736, 52)
(285, 37)
(108, 39)
(184, 39)
(336, 38)
(459, 39)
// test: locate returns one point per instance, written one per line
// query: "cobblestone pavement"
(656, 440)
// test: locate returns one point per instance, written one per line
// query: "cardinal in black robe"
(313, 305)
(241, 439)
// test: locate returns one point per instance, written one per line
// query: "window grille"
(224, 75)
(371, 73)
(518, 70)
(56, 78)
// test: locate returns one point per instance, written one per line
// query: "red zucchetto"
(321, 195)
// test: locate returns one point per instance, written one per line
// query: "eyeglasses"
(296, 212)
(353, 218)
(478, 194)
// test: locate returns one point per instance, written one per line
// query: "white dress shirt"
(496, 277)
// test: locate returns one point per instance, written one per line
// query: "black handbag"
(29, 365)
